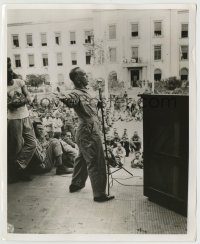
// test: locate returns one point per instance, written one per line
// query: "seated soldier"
(109, 141)
(119, 153)
(67, 137)
(137, 162)
(135, 142)
(69, 124)
(53, 153)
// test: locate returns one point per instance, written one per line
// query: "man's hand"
(70, 100)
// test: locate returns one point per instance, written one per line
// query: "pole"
(105, 142)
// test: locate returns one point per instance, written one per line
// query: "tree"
(35, 80)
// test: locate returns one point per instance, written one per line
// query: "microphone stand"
(104, 135)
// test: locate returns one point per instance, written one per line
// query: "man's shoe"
(74, 188)
(103, 198)
(64, 171)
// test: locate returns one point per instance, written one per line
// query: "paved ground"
(45, 206)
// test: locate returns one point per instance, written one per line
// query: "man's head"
(137, 155)
(78, 77)
(135, 133)
(124, 138)
(39, 129)
(116, 135)
(69, 135)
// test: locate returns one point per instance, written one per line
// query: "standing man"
(90, 160)
(125, 145)
(21, 137)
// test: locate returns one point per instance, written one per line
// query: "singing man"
(90, 160)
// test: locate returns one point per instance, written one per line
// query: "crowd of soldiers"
(58, 119)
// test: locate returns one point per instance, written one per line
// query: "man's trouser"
(21, 142)
(90, 160)
(41, 164)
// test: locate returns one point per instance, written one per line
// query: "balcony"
(133, 62)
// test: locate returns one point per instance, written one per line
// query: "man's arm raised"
(71, 100)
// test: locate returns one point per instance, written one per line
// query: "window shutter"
(112, 32)
(134, 52)
(43, 38)
(73, 56)
(72, 36)
(31, 59)
(59, 57)
(29, 39)
(157, 26)
(184, 27)
(113, 54)
(134, 27)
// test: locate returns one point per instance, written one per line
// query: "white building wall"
(51, 49)
(171, 40)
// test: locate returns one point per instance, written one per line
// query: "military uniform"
(90, 160)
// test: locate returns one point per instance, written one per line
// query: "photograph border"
(191, 219)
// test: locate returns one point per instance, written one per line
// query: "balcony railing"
(133, 62)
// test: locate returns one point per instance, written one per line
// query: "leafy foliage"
(172, 85)
(35, 80)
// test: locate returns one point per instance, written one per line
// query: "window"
(72, 38)
(45, 59)
(31, 60)
(57, 38)
(113, 54)
(29, 40)
(17, 61)
(134, 30)
(157, 28)
(60, 79)
(157, 74)
(15, 39)
(157, 52)
(88, 36)
(184, 30)
(74, 58)
(59, 59)
(88, 58)
(184, 52)
(44, 39)
(184, 74)
(112, 32)
(134, 51)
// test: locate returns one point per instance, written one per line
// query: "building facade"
(122, 45)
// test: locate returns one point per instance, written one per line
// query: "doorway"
(135, 75)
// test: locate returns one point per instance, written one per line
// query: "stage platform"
(45, 206)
